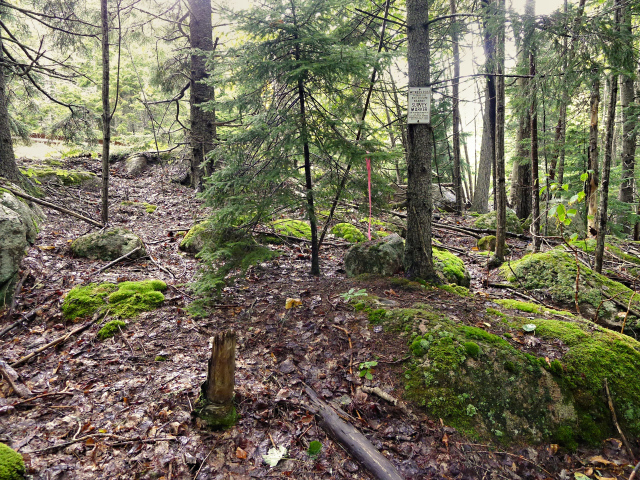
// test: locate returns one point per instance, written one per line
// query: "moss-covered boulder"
(450, 267)
(193, 242)
(484, 381)
(488, 221)
(379, 257)
(349, 232)
(616, 250)
(552, 275)
(124, 300)
(18, 229)
(61, 176)
(108, 245)
(487, 244)
(11, 464)
(135, 164)
(292, 228)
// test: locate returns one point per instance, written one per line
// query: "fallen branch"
(11, 376)
(127, 255)
(615, 421)
(29, 316)
(55, 207)
(58, 340)
(381, 393)
(42, 395)
(352, 440)
(53, 448)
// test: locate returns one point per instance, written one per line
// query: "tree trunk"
(535, 177)
(561, 130)
(592, 180)
(606, 164)
(8, 167)
(483, 183)
(520, 194)
(203, 128)
(628, 123)
(457, 173)
(106, 111)
(417, 254)
(501, 194)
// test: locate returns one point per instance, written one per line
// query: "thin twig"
(101, 269)
(615, 420)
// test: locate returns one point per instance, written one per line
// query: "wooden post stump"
(215, 404)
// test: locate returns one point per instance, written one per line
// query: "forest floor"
(110, 410)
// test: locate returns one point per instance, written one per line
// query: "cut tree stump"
(215, 404)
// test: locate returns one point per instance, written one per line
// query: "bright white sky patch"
(543, 7)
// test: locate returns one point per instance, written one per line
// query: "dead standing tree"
(215, 404)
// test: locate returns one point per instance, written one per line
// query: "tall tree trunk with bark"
(457, 173)
(106, 110)
(535, 177)
(203, 127)
(8, 167)
(591, 188)
(520, 193)
(557, 161)
(608, 154)
(483, 183)
(628, 122)
(501, 194)
(418, 261)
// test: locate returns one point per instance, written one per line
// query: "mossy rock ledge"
(61, 176)
(11, 464)
(491, 388)
(108, 245)
(193, 242)
(552, 275)
(385, 257)
(18, 229)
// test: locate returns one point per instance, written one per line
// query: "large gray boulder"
(443, 198)
(108, 245)
(135, 164)
(380, 257)
(18, 229)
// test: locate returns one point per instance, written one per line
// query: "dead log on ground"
(352, 440)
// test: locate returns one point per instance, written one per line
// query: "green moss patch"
(11, 464)
(125, 300)
(292, 228)
(488, 221)
(347, 231)
(553, 274)
(531, 307)
(487, 244)
(110, 329)
(149, 208)
(451, 267)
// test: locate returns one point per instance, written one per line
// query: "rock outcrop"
(108, 245)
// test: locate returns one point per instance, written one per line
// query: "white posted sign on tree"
(419, 105)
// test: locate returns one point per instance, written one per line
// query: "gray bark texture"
(106, 110)
(628, 124)
(418, 261)
(8, 167)
(592, 181)
(501, 193)
(483, 182)
(203, 127)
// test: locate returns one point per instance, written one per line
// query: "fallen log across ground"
(354, 442)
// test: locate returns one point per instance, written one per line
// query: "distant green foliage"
(488, 221)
